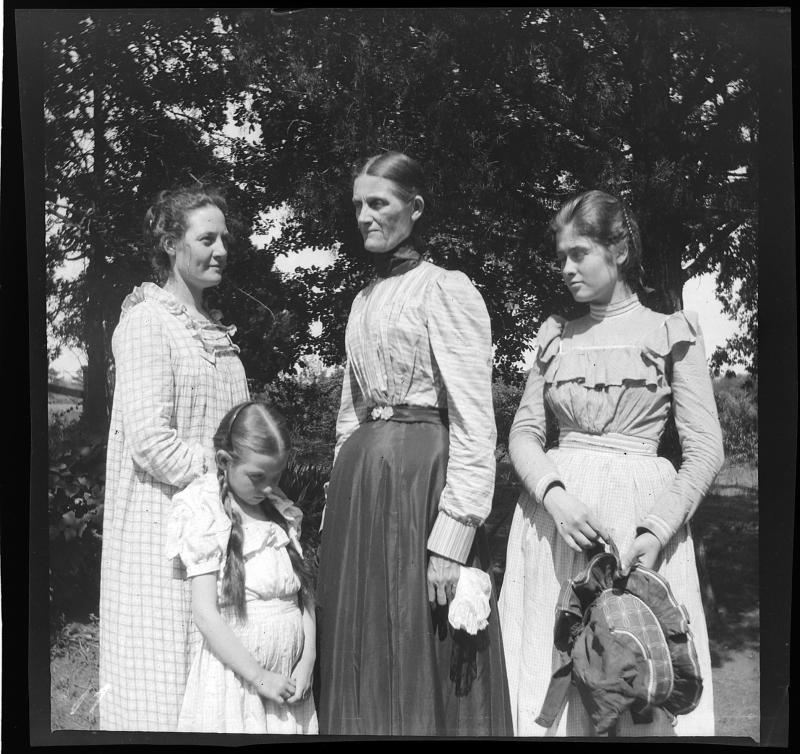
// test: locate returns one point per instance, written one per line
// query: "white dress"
(610, 379)
(216, 699)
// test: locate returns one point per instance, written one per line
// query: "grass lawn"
(726, 524)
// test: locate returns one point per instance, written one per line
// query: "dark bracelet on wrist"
(554, 483)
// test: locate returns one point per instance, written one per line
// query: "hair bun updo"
(407, 175)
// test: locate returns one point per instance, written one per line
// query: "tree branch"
(66, 220)
(712, 248)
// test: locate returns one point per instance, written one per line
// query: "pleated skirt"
(618, 488)
(219, 701)
(387, 659)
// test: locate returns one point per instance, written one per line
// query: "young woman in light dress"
(610, 378)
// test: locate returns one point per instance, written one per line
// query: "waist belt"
(610, 442)
(409, 414)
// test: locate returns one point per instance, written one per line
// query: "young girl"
(237, 535)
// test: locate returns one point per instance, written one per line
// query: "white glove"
(469, 608)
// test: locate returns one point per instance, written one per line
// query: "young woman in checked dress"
(177, 374)
(610, 378)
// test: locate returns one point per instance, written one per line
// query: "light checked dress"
(216, 699)
(176, 377)
(610, 378)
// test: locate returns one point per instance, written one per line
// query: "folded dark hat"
(626, 644)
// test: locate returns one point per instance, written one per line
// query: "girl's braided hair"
(260, 428)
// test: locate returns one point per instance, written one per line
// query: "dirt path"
(736, 695)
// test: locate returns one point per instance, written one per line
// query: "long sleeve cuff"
(543, 484)
(451, 538)
(660, 528)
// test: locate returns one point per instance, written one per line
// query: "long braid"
(263, 430)
(233, 592)
(635, 242)
(300, 564)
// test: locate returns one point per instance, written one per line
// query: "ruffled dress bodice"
(611, 379)
(612, 376)
(215, 337)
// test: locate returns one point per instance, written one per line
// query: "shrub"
(506, 398)
(737, 405)
(304, 484)
(76, 488)
(310, 403)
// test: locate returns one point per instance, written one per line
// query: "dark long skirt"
(389, 663)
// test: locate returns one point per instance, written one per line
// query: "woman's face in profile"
(384, 219)
(587, 267)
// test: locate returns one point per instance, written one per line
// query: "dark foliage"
(510, 110)
(75, 498)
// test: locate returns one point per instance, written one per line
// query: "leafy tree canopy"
(510, 111)
(136, 102)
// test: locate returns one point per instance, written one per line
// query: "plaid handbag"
(625, 643)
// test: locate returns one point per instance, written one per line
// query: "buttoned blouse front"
(423, 338)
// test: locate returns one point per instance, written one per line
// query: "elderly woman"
(412, 482)
(610, 378)
(177, 374)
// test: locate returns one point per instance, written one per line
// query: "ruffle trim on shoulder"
(197, 528)
(264, 534)
(680, 327)
(643, 361)
(548, 339)
(213, 336)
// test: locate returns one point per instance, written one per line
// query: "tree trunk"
(95, 408)
(664, 275)
(649, 64)
(662, 233)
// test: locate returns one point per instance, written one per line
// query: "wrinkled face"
(588, 268)
(200, 255)
(384, 218)
(252, 475)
